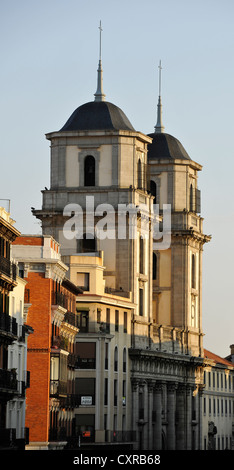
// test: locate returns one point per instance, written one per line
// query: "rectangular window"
(108, 320)
(116, 320)
(125, 322)
(83, 281)
(86, 353)
(83, 321)
(106, 392)
(213, 379)
(142, 256)
(85, 390)
(106, 355)
(98, 315)
(204, 405)
(115, 392)
(141, 302)
(124, 393)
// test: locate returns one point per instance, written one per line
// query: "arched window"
(155, 261)
(153, 190)
(139, 175)
(88, 243)
(89, 171)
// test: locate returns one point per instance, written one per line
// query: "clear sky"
(49, 57)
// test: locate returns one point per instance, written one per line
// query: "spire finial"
(159, 126)
(100, 41)
(99, 95)
(160, 74)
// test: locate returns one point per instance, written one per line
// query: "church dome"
(97, 115)
(166, 146)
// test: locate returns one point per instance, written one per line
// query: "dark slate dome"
(97, 115)
(166, 146)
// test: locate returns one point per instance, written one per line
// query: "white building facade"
(218, 403)
(17, 360)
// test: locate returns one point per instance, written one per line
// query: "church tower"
(98, 186)
(177, 271)
(109, 187)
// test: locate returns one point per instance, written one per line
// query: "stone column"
(143, 421)
(180, 409)
(135, 406)
(189, 417)
(171, 409)
(150, 425)
(158, 412)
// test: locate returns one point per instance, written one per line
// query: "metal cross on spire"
(160, 73)
(99, 95)
(159, 126)
(100, 43)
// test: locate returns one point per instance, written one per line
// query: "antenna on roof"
(99, 95)
(159, 126)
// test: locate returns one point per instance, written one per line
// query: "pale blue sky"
(49, 56)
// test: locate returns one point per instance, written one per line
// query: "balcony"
(71, 318)
(10, 440)
(117, 292)
(8, 383)
(59, 342)
(59, 299)
(8, 327)
(58, 387)
(7, 267)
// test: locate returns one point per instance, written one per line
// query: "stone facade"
(163, 283)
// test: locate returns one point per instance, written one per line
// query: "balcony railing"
(59, 299)
(58, 387)
(59, 342)
(57, 434)
(123, 436)
(118, 292)
(7, 267)
(8, 324)
(71, 318)
(8, 380)
(10, 439)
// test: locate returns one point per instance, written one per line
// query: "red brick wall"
(32, 241)
(39, 317)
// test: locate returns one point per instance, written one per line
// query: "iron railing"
(8, 380)
(7, 267)
(8, 324)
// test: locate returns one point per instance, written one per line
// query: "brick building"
(51, 360)
(8, 324)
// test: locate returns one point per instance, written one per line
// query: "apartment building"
(103, 384)
(218, 403)
(8, 325)
(51, 355)
(17, 361)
